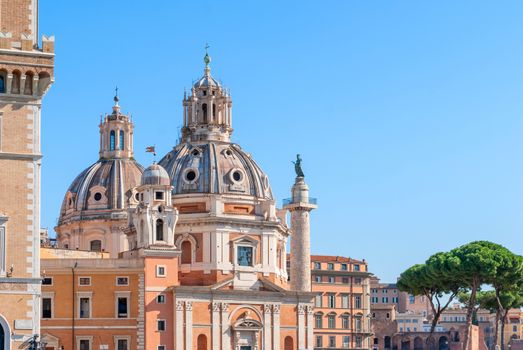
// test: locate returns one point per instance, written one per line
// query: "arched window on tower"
(28, 88)
(186, 252)
(204, 110)
(159, 230)
(112, 141)
(15, 84)
(121, 140)
(213, 110)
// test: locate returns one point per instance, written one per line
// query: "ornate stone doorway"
(247, 334)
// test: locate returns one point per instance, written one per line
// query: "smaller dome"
(205, 81)
(155, 175)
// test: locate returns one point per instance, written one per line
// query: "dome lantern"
(116, 134)
(207, 112)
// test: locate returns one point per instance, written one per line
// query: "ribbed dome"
(155, 175)
(215, 167)
(100, 189)
(206, 80)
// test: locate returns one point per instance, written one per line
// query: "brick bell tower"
(26, 73)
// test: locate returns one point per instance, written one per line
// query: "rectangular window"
(2, 250)
(244, 256)
(47, 281)
(160, 299)
(85, 344)
(319, 341)
(122, 344)
(357, 301)
(331, 300)
(318, 320)
(343, 267)
(412, 299)
(331, 280)
(161, 325)
(332, 321)
(345, 280)
(332, 342)
(84, 281)
(122, 281)
(158, 195)
(317, 266)
(357, 324)
(122, 307)
(345, 322)
(346, 341)
(357, 280)
(356, 267)
(345, 301)
(317, 279)
(330, 266)
(85, 307)
(385, 300)
(160, 271)
(318, 301)
(395, 299)
(47, 307)
(161, 347)
(359, 341)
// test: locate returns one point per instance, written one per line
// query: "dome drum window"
(237, 179)
(191, 175)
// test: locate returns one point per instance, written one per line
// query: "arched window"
(214, 114)
(2, 84)
(96, 245)
(112, 141)
(202, 342)
(159, 230)
(28, 88)
(289, 343)
(186, 252)
(15, 84)
(204, 110)
(121, 140)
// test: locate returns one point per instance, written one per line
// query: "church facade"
(189, 253)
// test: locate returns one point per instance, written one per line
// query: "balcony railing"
(288, 201)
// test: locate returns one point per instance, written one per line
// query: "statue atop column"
(297, 166)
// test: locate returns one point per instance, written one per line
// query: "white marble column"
(188, 325)
(301, 326)
(226, 334)
(267, 322)
(215, 326)
(276, 326)
(179, 324)
(310, 327)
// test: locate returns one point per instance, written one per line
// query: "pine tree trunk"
(503, 320)
(470, 310)
(496, 333)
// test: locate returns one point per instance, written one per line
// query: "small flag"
(151, 149)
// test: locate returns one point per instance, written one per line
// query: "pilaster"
(276, 326)
(226, 333)
(310, 327)
(179, 324)
(301, 326)
(267, 324)
(188, 325)
(215, 326)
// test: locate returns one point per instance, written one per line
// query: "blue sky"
(408, 114)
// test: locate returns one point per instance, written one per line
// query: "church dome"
(155, 175)
(217, 168)
(101, 189)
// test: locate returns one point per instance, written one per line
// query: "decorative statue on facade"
(297, 166)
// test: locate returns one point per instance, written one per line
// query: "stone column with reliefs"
(179, 324)
(301, 326)
(276, 326)
(300, 206)
(215, 326)
(310, 327)
(188, 325)
(267, 323)
(226, 334)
